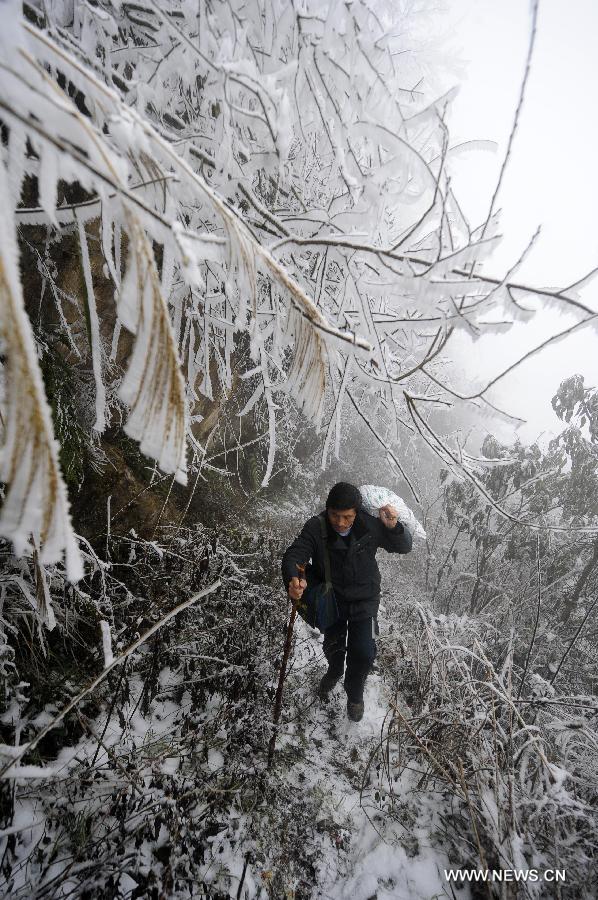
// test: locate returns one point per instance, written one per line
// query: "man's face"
(341, 519)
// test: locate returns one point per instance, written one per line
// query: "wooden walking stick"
(283, 671)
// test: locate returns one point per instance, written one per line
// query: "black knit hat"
(344, 496)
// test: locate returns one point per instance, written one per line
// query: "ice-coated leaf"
(35, 509)
(153, 386)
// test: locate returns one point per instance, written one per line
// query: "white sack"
(373, 497)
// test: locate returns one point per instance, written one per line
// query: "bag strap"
(327, 572)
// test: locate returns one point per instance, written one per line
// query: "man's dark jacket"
(354, 570)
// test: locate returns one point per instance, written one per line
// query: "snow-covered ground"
(334, 819)
(366, 853)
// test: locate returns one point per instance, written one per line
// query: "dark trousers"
(355, 640)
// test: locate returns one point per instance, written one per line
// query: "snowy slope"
(326, 823)
(366, 853)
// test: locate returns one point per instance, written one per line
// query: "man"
(352, 536)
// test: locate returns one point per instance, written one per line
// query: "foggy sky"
(551, 181)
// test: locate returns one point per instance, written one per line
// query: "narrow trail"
(375, 838)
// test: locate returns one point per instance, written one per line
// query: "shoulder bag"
(318, 604)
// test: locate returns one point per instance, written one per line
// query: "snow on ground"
(372, 838)
(367, 852)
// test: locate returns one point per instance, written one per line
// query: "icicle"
(107, 225)
(115, 339)
(106, 643)
(335, 419)
(206, 384)
(271, 419)
(16, 156)
(253, 399)
(177, 304)
(167, 273)
(48, 182)
(339, 407)
(191, 361)
(94, 332)
(44, 601)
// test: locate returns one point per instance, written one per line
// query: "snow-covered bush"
(154, 785)
(511, 761)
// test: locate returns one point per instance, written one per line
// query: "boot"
(327, 682)
(355, 711)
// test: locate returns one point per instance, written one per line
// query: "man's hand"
(389, 515)
(296, 588)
